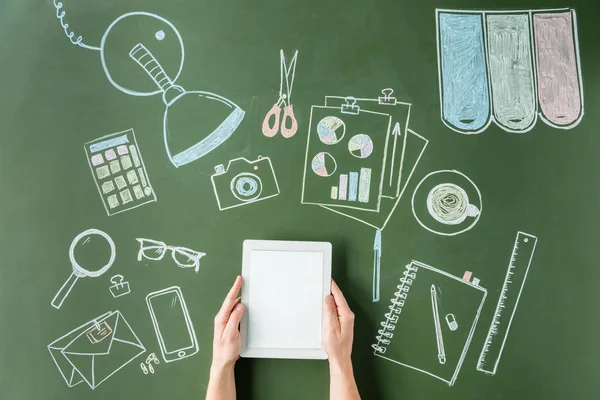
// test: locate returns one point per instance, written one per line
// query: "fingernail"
(329, 299)
(239, 307)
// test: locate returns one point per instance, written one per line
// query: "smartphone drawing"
(172, 324)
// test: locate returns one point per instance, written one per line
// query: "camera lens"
(246, 186)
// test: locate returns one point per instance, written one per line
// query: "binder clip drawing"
(387, 98)
(350, 107)
(119, 288)
(147, 367)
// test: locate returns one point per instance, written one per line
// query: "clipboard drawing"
(373, 154)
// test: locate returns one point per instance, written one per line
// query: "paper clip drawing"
(147, 365)
(244, 182)
(89, 248)
(452, 201)
(366, 152)
(119, 172)
(119, 287)
(288, 123)
(195, 122)
(514, 282)
(155, 250)
(172, 324)
(96, 350)
(509, 67)
(376, 266)
(410, 338)
(439, 337)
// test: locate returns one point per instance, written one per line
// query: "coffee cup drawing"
(447, 203)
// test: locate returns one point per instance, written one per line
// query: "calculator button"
(132, 177)
(126, 196)
(138, 192)
(102, 172)
(97, 159)
(115, 167)
(142, 177)
(112, 201)
(120, 181)
(108, 187)
(148, 191)
(110, 154)
(122, 150)
(126, 162)
(134, 155)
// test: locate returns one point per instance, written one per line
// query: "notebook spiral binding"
(386, 333)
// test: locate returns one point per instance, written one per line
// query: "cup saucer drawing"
(447, 203)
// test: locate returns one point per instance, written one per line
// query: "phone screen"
(171, 318)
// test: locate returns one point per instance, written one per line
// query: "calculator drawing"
(119, 172)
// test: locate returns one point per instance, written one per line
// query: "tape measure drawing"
(518, 268)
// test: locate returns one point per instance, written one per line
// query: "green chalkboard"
(484, 127)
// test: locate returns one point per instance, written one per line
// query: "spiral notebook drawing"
(431, 320)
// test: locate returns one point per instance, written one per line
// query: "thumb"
(331, 314)
(234, 320)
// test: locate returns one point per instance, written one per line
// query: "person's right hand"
(338, 327)
(227, 341)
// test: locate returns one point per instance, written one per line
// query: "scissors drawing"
(287, 72)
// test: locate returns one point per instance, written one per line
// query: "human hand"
(227, 341)
(338, 327)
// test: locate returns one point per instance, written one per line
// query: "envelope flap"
(96, 338)
(124, 334)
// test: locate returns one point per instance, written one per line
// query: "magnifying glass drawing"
(89, 241)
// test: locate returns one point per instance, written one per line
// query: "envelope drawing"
(96, 350)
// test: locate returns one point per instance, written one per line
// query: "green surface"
(54, 97)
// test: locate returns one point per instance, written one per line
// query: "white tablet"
(285, 284)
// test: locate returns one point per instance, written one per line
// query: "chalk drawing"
(155, 250)
(167, 307)
(452, 208)
(178, 102)
(403, 153)
(77, 41)
(420, 343)
(119, 287)
(521, 64)
(289, 125)
(244, 182)
(86, 242)
(511, 71)
(463, 75)
(514, 282)
(147, 366)
(96, 350)
(119, 172)
(377, 266)
(449, 204)
(331, 129)
(189, 115)
(451, 321)
(336, 146)
(558, 68)
(439, 337)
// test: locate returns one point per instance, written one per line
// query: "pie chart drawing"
(331, 129)
(323, 164)
(360, 146)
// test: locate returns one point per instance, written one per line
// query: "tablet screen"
(285, 299)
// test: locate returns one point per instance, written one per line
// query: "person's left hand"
(227, 341)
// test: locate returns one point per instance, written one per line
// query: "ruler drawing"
(518, 268)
